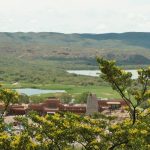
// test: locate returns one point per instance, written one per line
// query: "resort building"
(53, 105)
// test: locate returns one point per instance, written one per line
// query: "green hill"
(125, 47)
(50, 53)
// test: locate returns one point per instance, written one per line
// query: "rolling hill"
(128, 48)
(44, 53)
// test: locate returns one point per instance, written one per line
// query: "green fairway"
(100, 91)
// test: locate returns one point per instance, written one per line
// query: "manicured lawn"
(100, 91)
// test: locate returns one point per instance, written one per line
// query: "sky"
(75, 16)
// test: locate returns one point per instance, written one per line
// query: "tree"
(7, 97)
(82, 98)
(66, 98)
(62, 130)
(123, 134)
(23, 98)
(122, 82)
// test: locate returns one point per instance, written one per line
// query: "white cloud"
(95, 16)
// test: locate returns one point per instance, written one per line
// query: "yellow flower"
(114, 126)
(144, 132)
(133, 131)
(38, 137)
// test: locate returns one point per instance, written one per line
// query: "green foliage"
(60, 131)
(7, 97)
(68, 131)
(65, 98)
(82, 98)
(122, 82)
(16, 71)
(23, 99)
(25, 57)
(37, 99)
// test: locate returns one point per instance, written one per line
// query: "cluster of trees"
(23, 71)
(70, 131)
(78, 99)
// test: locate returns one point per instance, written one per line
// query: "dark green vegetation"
(44, 57)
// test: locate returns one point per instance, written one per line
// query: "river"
(96, 73)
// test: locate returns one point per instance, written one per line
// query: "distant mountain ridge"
(127, 48)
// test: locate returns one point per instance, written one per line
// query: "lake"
(31, 91)
(96, 73)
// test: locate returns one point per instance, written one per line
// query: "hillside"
(128, 48)
(50, 53)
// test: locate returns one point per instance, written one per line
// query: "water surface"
(96, 73)
(31, 91)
